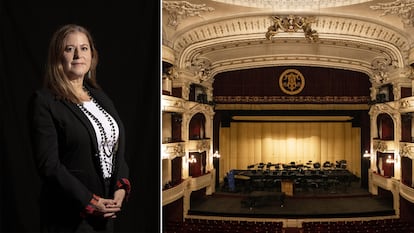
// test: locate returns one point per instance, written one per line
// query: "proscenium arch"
(313, 58)
(205, 38)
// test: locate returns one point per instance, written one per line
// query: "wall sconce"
(390, 160)
(366, 155)
(192, 159)
(216, 155)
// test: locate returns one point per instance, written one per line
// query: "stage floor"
(352, 202)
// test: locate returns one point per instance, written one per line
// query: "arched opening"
(197, 127)
(385, 125)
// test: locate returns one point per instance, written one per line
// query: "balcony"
(203, 181)
(172, 104)
(407, 192)
(172, 194)
(172, 150)
(407, 104)
(199, 145)
(383, 145)
(382, 181)
(407, 149)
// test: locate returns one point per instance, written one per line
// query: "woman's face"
(77, 55)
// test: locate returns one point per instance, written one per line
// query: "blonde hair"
(55, 78)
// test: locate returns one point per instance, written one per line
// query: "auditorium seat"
(368, 226)
(223, 226)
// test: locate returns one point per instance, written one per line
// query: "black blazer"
(65, 150)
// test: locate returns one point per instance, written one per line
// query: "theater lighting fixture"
(216, 154)
(192, 159)
(366, 154)
(390, 160)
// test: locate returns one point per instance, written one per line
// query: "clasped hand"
(110, 207)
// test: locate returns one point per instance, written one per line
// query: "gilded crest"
(291, 82)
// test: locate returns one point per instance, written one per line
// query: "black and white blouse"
(107, 133)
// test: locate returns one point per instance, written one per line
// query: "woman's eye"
(69, 49)
(85, 48)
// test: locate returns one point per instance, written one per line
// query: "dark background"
(127, 39)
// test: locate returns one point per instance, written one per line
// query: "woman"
(78, 140)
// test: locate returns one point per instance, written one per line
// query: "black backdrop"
(127, 39)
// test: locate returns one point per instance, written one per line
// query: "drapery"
(247, 143)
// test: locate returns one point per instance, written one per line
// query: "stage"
(352, 202)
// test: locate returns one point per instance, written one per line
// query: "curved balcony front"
(172, 150)
(172, 194)
(381, 181)
(406, 104)
(407, 192)
(202, 181)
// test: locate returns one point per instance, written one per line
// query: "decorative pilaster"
(209, 92)
(396, 91)
(373, 93)
(397, 139)
(185, 90)
(186, 200)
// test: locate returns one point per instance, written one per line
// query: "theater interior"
(287, 116)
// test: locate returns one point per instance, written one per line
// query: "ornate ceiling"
(373, 37)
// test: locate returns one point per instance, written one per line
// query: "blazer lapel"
(85, 121)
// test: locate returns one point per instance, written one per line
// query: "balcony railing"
(172, 150)
(199, 182)
(172, 194)
(407, 192)
(382, 181)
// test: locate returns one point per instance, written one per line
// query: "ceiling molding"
(210, 37)
(240, 43)
(258, 24)
(246, 54)
(293, 4)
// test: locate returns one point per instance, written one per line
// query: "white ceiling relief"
(402, 8)
(293, 4)
(374, 37)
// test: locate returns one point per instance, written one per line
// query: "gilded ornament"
(291, 82)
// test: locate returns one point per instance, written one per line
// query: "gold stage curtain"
(246, 143)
